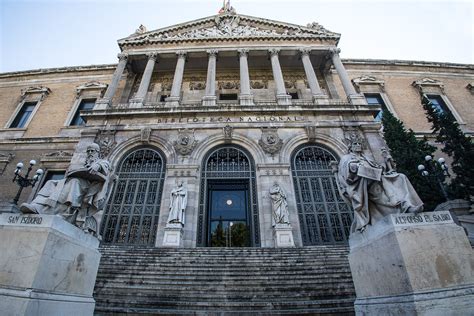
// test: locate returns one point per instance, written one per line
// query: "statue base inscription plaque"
(409, 264)
(173, 235)
(47, 266)
(283, 236)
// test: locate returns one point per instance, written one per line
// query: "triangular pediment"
(228, 27)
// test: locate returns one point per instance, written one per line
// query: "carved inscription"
(223, 119)
(28, 220)
(422, 218)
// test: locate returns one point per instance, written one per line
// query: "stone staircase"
(225, 281)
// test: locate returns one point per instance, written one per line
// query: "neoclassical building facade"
(231, 105)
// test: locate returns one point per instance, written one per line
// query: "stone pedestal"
(413, 265)
(173, 235)
(357, 99)
(209, 100)
(172, 102)
(246, 99)
(320, 99)
(7, 207)
(283, 236)
(47, 266)
(283, 99)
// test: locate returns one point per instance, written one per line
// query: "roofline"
(395, 62)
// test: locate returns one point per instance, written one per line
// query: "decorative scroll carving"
(106, 141)
(229, 85)
(59, 153)
(368, 80)
(41, 90)
(186, 142)
(228, 131)
(270, 141)
(259, 84)
(197, 85)
(424, 83)
(145, 134)
(91, 85)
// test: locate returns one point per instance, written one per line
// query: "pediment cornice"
(229, 27)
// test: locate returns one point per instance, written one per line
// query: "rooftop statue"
(79, 196)
(373, 190)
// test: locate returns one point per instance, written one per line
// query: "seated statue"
(79, 196)
(373, 190)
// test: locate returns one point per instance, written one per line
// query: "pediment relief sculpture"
(91, 85)
(41, 90)
(368, 80)
(228, 25)
(421, 84)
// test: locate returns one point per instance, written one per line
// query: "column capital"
(243, 52)
(122, 56)
(334, 50)
(305, 51)
(181, 53)
(274, 51)
(152, 55)
(212, 52)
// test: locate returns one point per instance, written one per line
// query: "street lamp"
(437, 170)
(24, 181)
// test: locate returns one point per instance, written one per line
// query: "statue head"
(356, 146)
(93, 151)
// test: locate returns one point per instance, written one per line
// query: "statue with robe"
(280, 213)
(179, 199)
(373, 190)
(80, 196)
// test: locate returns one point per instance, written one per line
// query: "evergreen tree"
(457, 145)
(408, 152)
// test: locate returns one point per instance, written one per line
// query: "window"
(375, 99)
(438, 103)
(53, 175)
(85, 105)
(228, 96)
(294, 95)
(23, 115)
(163, 97)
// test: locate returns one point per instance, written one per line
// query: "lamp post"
(437, 170)
(23, 181)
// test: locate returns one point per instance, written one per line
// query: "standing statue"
(280, 213)
(374, 191)
(79, 196)
(179, 199)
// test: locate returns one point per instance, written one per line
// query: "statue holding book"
(78, 197)
(373, 190)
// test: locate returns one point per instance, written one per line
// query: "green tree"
(456, 145)
(408, 152)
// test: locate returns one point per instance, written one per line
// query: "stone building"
(229, 104)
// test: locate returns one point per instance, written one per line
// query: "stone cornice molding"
(368, 80)
(422, 84)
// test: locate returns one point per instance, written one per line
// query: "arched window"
(323, 215)
(131, 216)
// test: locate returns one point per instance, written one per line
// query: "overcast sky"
(54, 33)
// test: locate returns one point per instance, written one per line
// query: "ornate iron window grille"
(131, 216)
(324, 217)
(228, 162)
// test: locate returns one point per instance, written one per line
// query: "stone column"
(140, 97)
(245, 96)
(282, 97)
(351, 94)
(106, 101)
(311, 76)
(209, 98)
(173, 99)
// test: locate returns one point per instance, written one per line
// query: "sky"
(55, 33)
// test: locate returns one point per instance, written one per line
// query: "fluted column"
(140, 96)
(245, 96)
(173, 99)
(112, 88)
(209, 98)
(282, 97)
(351, 94)
(311, 76)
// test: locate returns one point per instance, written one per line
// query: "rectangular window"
(438, 103)
(85, 105)
(294, 95)
(53, 175)
(375, 99)
(228, 96)
(23, 115)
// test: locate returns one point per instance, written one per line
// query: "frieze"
(186, 142)
(270, 141)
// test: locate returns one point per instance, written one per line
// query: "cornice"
(396, 62)
(44, 71)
